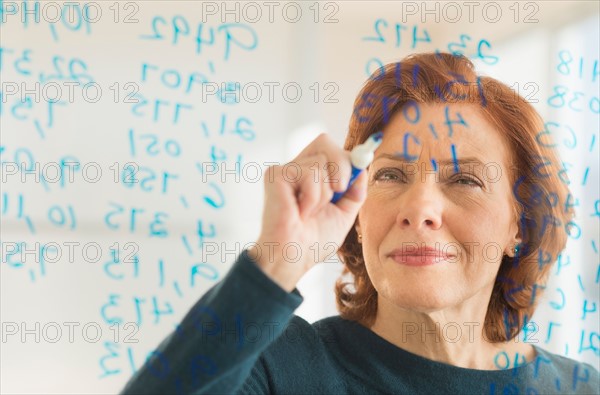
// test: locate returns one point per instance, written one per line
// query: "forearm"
(211, 344)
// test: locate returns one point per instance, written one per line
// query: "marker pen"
(360, 157)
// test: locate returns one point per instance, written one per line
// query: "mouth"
(420, 256)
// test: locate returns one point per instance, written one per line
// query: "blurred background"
(134, 135)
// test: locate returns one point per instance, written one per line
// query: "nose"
(421, 207)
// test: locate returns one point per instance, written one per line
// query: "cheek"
(472, 218)
(374, 222)
(473, 228)
(379, 201)
(481, 233)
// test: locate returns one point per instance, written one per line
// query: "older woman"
(440, 239)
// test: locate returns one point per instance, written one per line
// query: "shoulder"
(325, 330)
(332, 328)
(560, 363)
(576, 376)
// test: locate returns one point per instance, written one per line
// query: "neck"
(452, 336)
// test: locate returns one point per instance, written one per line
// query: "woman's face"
(435, 239)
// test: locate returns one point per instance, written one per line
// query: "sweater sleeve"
(216, 347)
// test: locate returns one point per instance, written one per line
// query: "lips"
(412, 255)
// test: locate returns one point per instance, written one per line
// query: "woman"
(440, 238)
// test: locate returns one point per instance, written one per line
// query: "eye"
(467, 181)
(388, 174)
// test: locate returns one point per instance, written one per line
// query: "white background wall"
(45, 295)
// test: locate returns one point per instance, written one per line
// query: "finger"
(279, 194)
(310, 191)
(339, 170)
(355, 196)
(337, 165)
(326, 174)
(329, 180)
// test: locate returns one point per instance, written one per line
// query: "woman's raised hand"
(300, 224)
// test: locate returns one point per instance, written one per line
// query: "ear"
(515, 231)
(515, 242)
(516, 239)
(357, 229)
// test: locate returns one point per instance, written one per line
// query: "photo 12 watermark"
(469, 11)
(69, 92)
(73, 14)
(18, 253)
(70, 331)
(269, 11)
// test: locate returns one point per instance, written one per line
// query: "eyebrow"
(462, 161)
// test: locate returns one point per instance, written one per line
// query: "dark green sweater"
(242, 337)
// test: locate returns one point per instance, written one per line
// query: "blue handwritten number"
(462, 45)
(157, 36)
(229, 38)
(379, 73)
(180, 27)
(200, 41)
(416, 37)
(111, 348)
(112, 302)
(219, 201)
(107, 217)
(154, 230)
(202, 232)
(379, 36)
(158, 312)
(486, 58)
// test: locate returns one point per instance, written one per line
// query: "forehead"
(443, 130)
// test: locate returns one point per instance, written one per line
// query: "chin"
(423, 299)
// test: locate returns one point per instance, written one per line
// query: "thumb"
(355, 195)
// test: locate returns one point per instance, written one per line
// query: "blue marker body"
(338, 195)
(360, 157)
